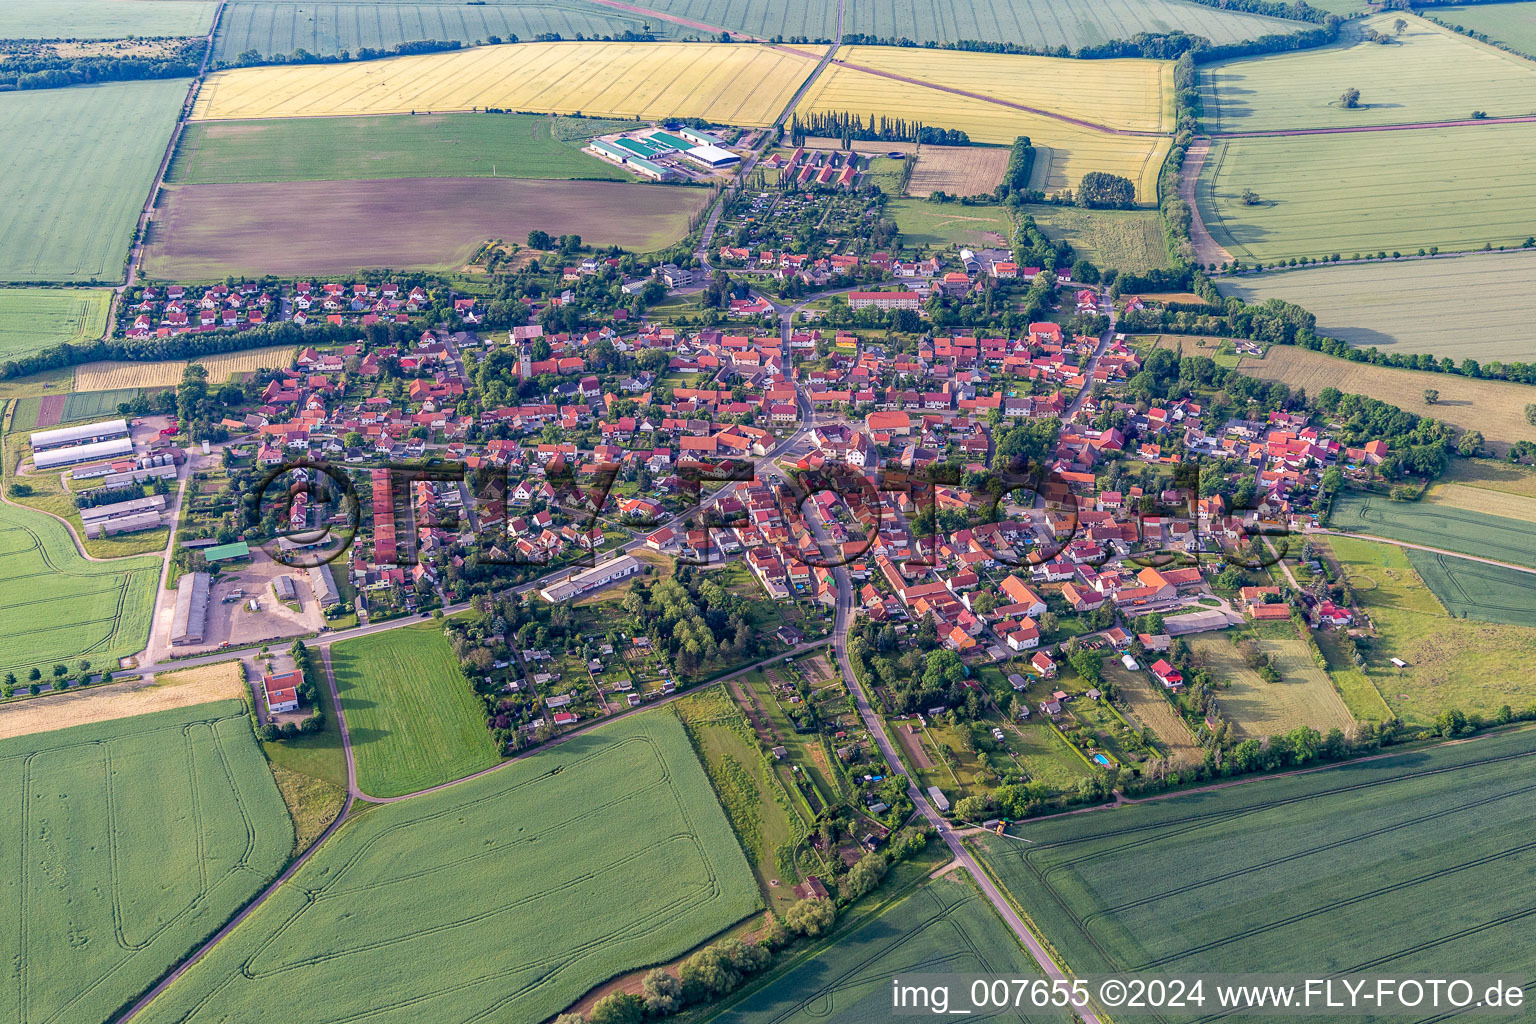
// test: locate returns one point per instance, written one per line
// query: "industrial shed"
(56, 458)
(190, 622)
(84, 433)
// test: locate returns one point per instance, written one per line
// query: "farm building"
(631, 161)
(285, 589)
(712, 157)
(282, 691)
(595, 578)
(57, 458)
(227, 552)
(123, 516)
(324, 585)
(85, 433)
(698, 138)
(190, 620)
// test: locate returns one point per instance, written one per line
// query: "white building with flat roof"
(83, 433)
(595, 578)
(57, 458)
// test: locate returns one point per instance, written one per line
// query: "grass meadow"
(329, 28)
(131, 841)
(1303, 696)
(1427, 73)
(742, 85)
(1452, 662)
(939, 225)
(425, 146)
(1297, 873)
(57, 607)
(1453, 188)
(1494, 407)
(32, 319)
(1129, 240)
(1437, 526)
(414, 720)
(1512, 24)
(104, 19)
(945, 927)
(1052, 23)
(75, 168)
(580, 862)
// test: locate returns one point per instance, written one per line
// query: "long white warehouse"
(84, 433)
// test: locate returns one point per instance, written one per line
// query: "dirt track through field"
(713, 30)
(1207, 250)
(48, 712)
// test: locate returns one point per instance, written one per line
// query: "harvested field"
(920, 85)
(728, 84)
(957, 170)
(1470, 306)
(1402, 860)
(1436, 526)
(1151, 710)
(128, 843)
(1455, 188)
(1304, 695)
(582, 861)
(50, 411)
(210, 231)
(107, 375)
(75, 168)
(1484, 500)
(1492, 476)
(1128, 240)
(1493, 407)
(328, 28)
(166, 691)
(32, 319)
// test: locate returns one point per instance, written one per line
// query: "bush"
(811, 917)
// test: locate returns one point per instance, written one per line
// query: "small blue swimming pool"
(1101, 759)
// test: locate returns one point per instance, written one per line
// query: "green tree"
(539, 239)
(811, 917)
(662, 992)
(1350, 99)
(618, 1008)
(1431, 396)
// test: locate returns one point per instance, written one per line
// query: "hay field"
(168, 690)
(1455, 188)
(415, 722)
(1452, 661)
(1064, 151)
(1124, 239)
(391, 146)
(1402, 861)
(576, 864)
(75, 169)
(729, 84)
(958, 170)
(328, 28)
(1513, 24)
(103, 19)
(1132, 94)
(1494, 407)
(128, 843)
(1429, 74)
(1436, 526)
(1052, 23)
(1304, 695)
(107, 375)
(32, 319)
(944, 224)
(1151, 710)
(1490, 475)
(57, 607)
(1482, 499)
(206, 232)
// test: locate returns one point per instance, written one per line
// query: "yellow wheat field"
(740, 84)
(108, 375)
(1064, 151)
(123, 700)
(1134, 95)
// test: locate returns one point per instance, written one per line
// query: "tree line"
(847, 126)
(30, 66)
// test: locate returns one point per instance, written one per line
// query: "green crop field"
(103, 19)
(1452, 662)
(1052, 23)
(946, 927)
(414, 720)
(32, 319)
(1472, 590)
(57, 607)
(944, 224)
(1399, 865)
(788, 18)
(76, 170)
(1304, 695)
(95, 405)
(1427, 73)
(1437, 526)
(505, 898)
(426, 146)
(130, 842)
(1513, 25)
(1124, 239)
(1363, 304)
(1453, 188)
(329, 28)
